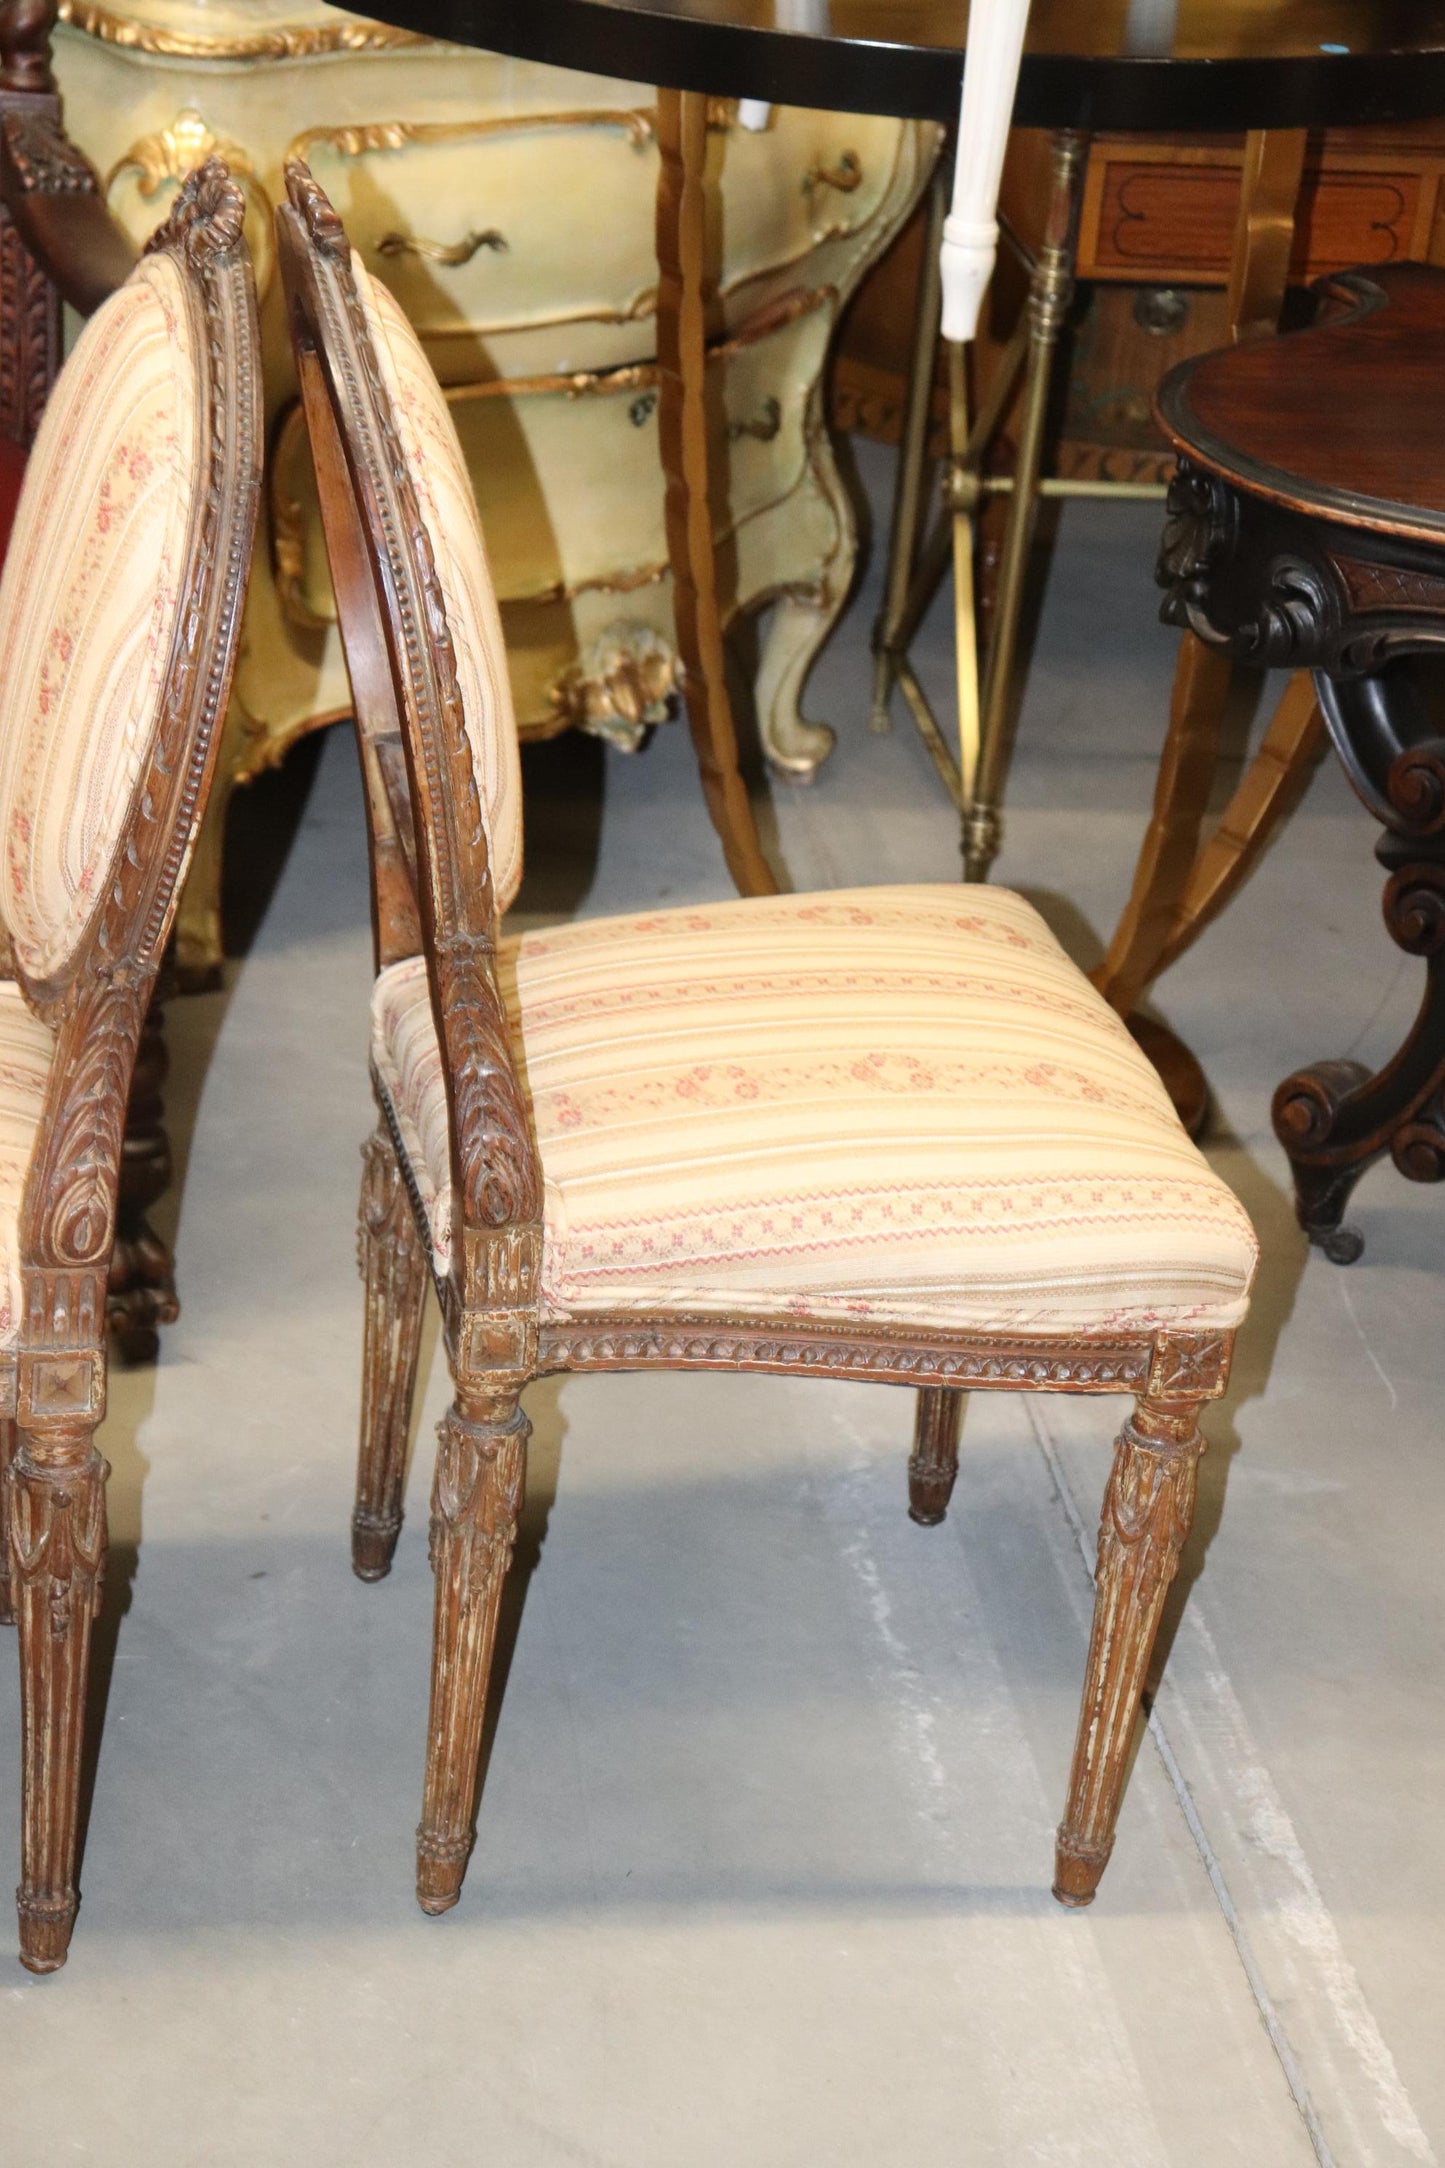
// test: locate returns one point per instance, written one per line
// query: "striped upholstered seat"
(897, 1103)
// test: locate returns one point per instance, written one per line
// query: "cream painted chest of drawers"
(510, 208)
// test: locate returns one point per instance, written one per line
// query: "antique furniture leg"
(889, 639)
(933, 1465)
(1334, 1119)
(802, 619)
(1265, 796)
(800, 625)
(141, 1294)
(476, 1498)
(684, 295)
(7, 1454)
(1178, 889)
(57, 1550)
(394, 1272)
(1148, 1506)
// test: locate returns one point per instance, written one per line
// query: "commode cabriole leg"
(476, 1498)
(56, 1485)
(393, 1269)
(1147, 1512)
(797, 633)
(933, 1464)
(7, 1454)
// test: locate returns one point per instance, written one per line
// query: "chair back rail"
(96, 996)
(394, 628)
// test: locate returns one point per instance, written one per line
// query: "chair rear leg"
(476, 1498)
(56, 1483)
(394, 1269)
(7, 1454)
(933, 1465)
(1148, 1507)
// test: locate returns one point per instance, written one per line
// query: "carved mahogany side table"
(1306, 529)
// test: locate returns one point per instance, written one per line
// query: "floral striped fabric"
(26, 1049)
(901, 1104)
(89, 603)
(449, 508)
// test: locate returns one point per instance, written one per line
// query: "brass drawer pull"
(845, 176)
(765, 428)
(447, 252)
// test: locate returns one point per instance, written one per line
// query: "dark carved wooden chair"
(884, 1134)
(119, 611)
(1306, 528)
(59, 245)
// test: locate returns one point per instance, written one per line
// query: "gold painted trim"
(636, 376)
(638, 123)
(172, 153)
(603, 583)
(300, 41)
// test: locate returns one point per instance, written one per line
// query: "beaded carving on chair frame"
(507, 1317)
(142, 486)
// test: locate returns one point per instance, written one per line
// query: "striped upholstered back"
(89, 604)
(449, 507)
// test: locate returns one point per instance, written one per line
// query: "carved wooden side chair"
(119, 608)
(887, 1134)
(1306, 530)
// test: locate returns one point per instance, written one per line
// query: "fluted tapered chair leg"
(394, 1270)
(57, 1554)
(933, 1464)
(1148, 1508)
(477, 1495)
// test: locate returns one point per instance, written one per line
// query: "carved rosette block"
(57, 1554)
(476, 1498)
(933, 1464)
(1148, 1507)
(393, 1269)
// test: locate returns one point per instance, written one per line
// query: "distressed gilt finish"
(433, 896)
(54, 1382)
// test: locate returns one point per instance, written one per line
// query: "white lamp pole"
(970, 233)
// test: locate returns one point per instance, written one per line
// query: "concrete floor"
(762, 1875)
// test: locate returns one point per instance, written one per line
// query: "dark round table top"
(1126, 64)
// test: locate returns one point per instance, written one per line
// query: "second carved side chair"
(885, 1134)
(119, 611)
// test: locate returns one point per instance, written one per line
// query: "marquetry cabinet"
(510, 208)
